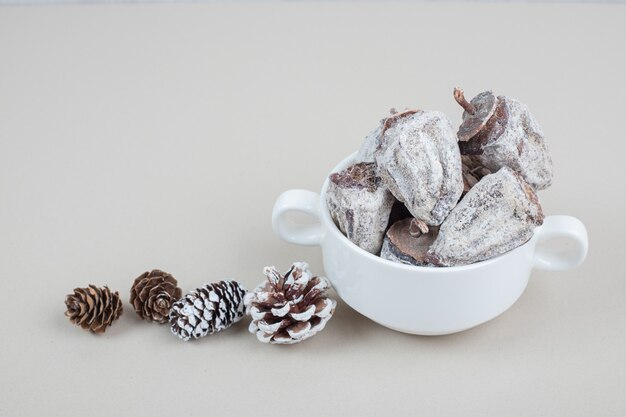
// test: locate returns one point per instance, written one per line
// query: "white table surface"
(158, 136)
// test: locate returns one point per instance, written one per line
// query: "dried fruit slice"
(477, 113)
(421, 164)
(510, 137)
(406, 243)
(360, 205)
(498, 214)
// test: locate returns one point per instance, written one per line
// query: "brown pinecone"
(291, 308)
(153, 294)
(93, 308)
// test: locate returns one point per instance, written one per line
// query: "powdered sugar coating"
(360, 207)
(421, 165)
(520, 146)
(376, 140)
(498, 214)
(369, 145)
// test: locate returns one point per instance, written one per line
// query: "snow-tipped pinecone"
(93, 308)
(291, 308)
(208, 309)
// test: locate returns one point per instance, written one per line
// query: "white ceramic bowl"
(425, 300)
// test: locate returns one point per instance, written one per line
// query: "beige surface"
(134, 137)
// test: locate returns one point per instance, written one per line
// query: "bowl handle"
(302, 201)
(570, 253)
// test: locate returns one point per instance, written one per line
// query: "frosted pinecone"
(207, 310)
(291, 308)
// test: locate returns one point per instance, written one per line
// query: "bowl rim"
(327, 219)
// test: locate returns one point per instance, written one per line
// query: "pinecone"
(208, 309)
(291, 308)
(153, 294)
(93, 308)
